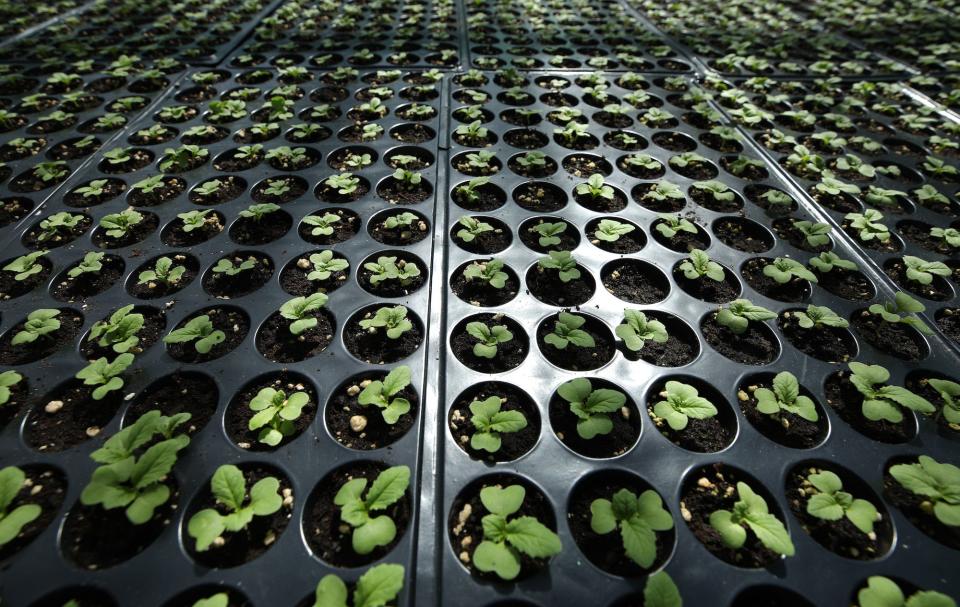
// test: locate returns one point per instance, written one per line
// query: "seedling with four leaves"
(671, 225)
(229, 489)
(591, 407)
(490, 272)
(637, 517)
(938, 483)
(488, 338)
(785, 396)
(393, 319)
(682, 402)
(275, 414)
(357, 510)
(699, 265)
(563, 262)
(383, 395)
(828, 501)
(490, 421)
(118, 332)
(636, 329)
(882, 401)
(164, 271)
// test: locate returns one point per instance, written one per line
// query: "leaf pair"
(490, 421)
(591, 407)
(377, 587)
(371, 532)
(383, 394)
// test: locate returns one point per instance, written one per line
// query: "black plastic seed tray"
(48, 116)
(405, 36)
(904, 131)
(21, 19)
(567, 37)
(103, 29)
(303, 461)
(651, 460)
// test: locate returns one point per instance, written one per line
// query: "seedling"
(471, 190)
(884, 402)
(571, 132)
(379, 586)
(595, 188)
(643, 161)
(148, 185)
(827, 261)
(951, 236)
(949, 391)
(200, 330)
(532, 160)
(609, 230)
(182, 158)
(829, 502)
(119, 332)
(882, 197)
(58, 224)
(661, 591)
(387, 268)
(938, 483)
(229, 488)
(505, 539)
(903, 309)
(136, 483)
(563, 262)
(220, 599)
(278, 187)
(8, 379)
(394, 320)
(884, 592)
(371, 532)
(344, 183)
(13, 520)
(922, 271)
(699, 265)
(40, 323)
(473, 132)
(488, 338)
(785, 396)
(834, 187)
(92, 262)
(783, 270)
(228, 268)
(750, 512)
(164, 271)
(325, 264)
(257, 212)
(591, 407)
(51, 171)
(105, 374)
(92, 189)
(671, 225)
(401, 220)
(681, 403)
(566, 330)
(816, 234)
(489, 422)
(193, 220)
(381, 394)
(738, 314)
(323, 225)
(25, 266)
(477, 160)
(275, 414)
(819, 317)
(637, 517)
(716, 190)
(868, 226)
(663, 191)
(940, 168)
(472, 228)
(548, 232)
(300, 310)
(636, 329)
(490, 272)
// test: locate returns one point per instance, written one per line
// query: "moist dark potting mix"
(473, 304)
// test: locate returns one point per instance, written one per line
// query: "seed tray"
(556, 470)
(302, 35)
(567, 37)
(20, 19)
(108, 97)
(110, 31)
(906, 150)
(766, 38)
(304, 460)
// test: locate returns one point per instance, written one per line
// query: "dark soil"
(487, 198)
(832, 344)
(253, 540)
(178, 392)
(546, 286)
(224, 286)
(948, 319)
(578, 358)
(173, 234)
(11, 288)
(847, 402)
(479, 293)
(794, 290)
(248, 231)
(512, 444)
(509, 355)
(172, 188)
(539, 197)
(77, 417)
(329, 537)
(635, 281)
(850, 285)
(742, 235)
(275, 341)
(756, 346)
(784, 428)
(377, 433)
(896, 339)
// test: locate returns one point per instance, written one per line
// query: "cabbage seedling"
(592, 407)
(25, 266)
(816, 234)
(595, 188)
(868, 226)
(827, 261)
(637, 517)
(229, 488)
(819, 317)
(164, 271)
(563, 262)
(490, 421)
(951, 236)
(119, 331)
(472, 228)
(609, 230)
(488, 338)
(356, 510)
(903, 309)
(784, 269)
(829, 502)
(275, 414)
(105, 374)
(636, 329)
(394, 320)
(13, 520)
(490, 272)
(938, 483)
(922, 271)
(681, 403)
(740, 312)
(300, 310)
(228, 268)
(884, 592)
(199, 329)
(8, 379)
(750, 512)
(671, 225)
(379, 586)
(699, 265)
(383, 395)
(949, 391)
(504, 539)
(40, 323)
(785, 396)
(322, 224)
(884, 401)
(566, 330)
(548, 232)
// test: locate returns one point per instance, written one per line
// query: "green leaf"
(533, 538)
(498, 558)
(388, 487)
(732, 534)
(771, 533)
(660, 591)
(229, 487)
(880, 592)
(378, 586)
(331, 592)
(602, 519)
(502, 501)
(377, 531)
